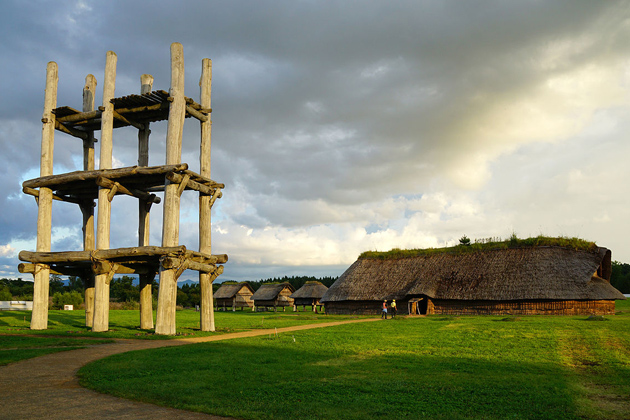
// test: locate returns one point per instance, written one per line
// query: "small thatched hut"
(234, 296)
(273, 295)
(309, 294)
(528, 280)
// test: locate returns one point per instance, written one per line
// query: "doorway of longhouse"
(418, 306)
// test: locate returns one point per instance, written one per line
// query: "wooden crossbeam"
(183, 184)
(108, 183)
(196, 113)
(104, 267)
(112, 271)
(217, 194)
(99, 254)
(193, 185)
(35, 193)
(55, 180)
(112, 192)
(80, 117)
(155, 107)
(216, 273)
(26, 268)
(203, 180)
(176, 263)
(71, 131)
(120, 117)
(206, 258)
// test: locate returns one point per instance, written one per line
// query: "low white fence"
(16, 305)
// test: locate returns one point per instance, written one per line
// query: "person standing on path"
(393, 306)
(384, 311)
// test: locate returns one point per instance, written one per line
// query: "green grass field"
(473, 367)
(16, 348)
(126, 323)
(67, 330)
(481, 367)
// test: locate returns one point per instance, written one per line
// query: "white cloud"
(398, 125)
(7, 251)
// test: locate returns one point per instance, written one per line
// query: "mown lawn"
(67, 328)
(437, 367)
(126, 323)
(16, 348)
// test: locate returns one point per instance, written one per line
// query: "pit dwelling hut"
(550, 280)
(309, 294)
(234, 296)
(273, 295)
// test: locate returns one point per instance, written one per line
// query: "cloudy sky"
(343, 126)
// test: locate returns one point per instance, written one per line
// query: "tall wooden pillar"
(146, 296)
(205, 239)
(167, 298)
(87, 207)
(101, 281)
(39, 318)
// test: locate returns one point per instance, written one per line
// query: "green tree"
(75, 283)
(182, 298)
(20, 289)
(123, 290)
(620, 277)
(55, 284)
(5, 293)
(67, 298)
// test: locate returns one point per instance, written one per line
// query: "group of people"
(392, 307)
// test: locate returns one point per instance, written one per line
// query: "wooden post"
(101, 286)
(205, 208)
(39, 318)
(165, 323)
(87, 207)
(146, 86)
(146, 296)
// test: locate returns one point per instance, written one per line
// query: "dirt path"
(47, 387)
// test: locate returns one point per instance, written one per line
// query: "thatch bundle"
(485, 279)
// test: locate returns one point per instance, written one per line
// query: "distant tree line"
(125, 290)
(61, 294)
(16, 289)
(620, 277)
(295, 281)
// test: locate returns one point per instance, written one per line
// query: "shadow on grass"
(274, 380)
(15, 318)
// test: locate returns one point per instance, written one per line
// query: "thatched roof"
(533, 273)
(227, 291)
(270, 291)
(310, 290)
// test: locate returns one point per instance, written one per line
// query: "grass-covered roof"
(487, 245)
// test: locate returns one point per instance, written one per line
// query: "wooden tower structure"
(96, 264)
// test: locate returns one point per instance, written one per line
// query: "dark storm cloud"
(330, 117)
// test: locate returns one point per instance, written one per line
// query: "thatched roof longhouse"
(504, 275)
